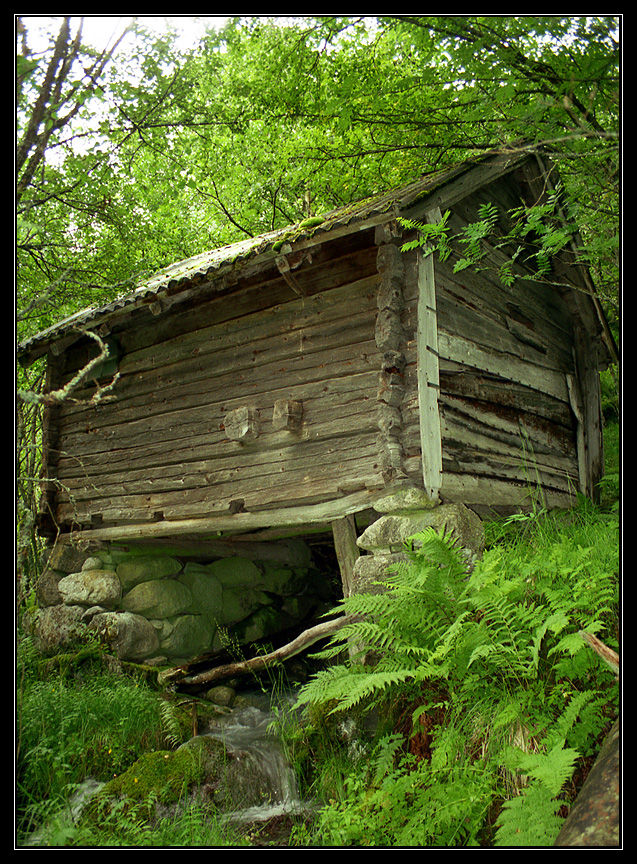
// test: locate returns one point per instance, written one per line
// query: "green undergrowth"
(76, 721)
(491, 703)
(473, 721)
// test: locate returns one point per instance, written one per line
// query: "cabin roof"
(261, 252)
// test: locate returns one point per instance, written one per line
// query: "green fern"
(498, 648)
(170, 723)
(529, 819)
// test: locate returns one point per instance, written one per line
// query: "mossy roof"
(260, 250)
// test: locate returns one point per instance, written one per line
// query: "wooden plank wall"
(348, 352)
(504, 354)
(159, 451)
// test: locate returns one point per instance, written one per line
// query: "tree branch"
(256, 664)
(55, 397)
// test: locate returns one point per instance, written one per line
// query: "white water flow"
(247, 733)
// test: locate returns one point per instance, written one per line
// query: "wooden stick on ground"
(610, 657)
(256, 664)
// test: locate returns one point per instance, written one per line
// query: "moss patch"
(162, 776)
(311, 222)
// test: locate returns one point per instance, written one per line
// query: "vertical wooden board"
(585, 397)
(594, 431)
(428, 379)
(577, 406)
(347, 551)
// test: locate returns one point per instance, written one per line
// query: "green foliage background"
(172, 151)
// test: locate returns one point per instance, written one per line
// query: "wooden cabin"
(287, 381)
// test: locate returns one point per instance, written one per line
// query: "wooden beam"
(324, 512)
(452, 191)
(428, 373)
(347, 551)
(585, 398)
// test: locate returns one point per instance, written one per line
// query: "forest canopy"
(137, 154)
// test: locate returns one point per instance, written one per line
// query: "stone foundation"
(161, 608)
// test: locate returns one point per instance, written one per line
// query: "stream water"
(250, 733)
(263, 783)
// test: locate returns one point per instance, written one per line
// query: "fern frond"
(529, 819)
(170, 724)
(384, 756)
(554, 623)
(567, 719)
(552, 765)
(551, 769)
(371, 685)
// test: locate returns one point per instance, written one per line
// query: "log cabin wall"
(253, 400)
(295, 388)
(506, 421)
(503, 360)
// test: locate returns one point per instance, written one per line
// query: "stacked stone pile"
(403, 515)
(160, 608)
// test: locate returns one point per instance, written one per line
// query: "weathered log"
(344, 533)
(594, 818)
(231, 670)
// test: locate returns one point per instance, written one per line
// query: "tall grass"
(70, 728)
(89, 723)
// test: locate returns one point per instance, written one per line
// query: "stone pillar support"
(403, 514)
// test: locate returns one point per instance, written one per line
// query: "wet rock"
(145, 568)
(185, 635)
(93, 563)
(131, 636)
(58, 626)
(240, 603)
(46, 587)
(411, 498)
(160, 598)
(232, 572)
(221, 695)
(206, 591)
(389, 533)
(372, 569)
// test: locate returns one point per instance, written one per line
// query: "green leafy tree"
(271, 120)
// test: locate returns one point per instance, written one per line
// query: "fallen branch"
(230, 670)
(610, 657)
